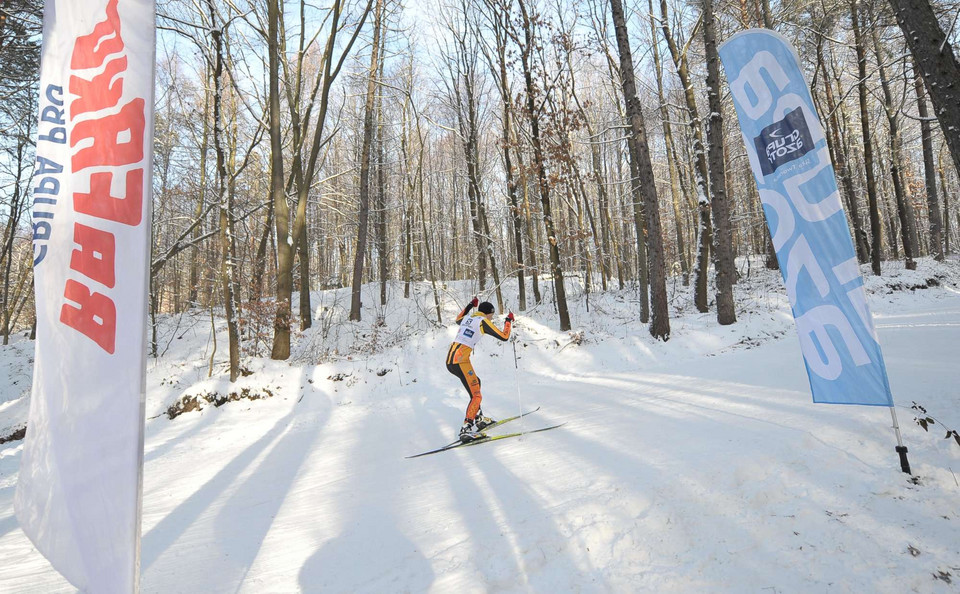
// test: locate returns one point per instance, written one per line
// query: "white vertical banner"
(79, 491)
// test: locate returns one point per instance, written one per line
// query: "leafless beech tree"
(660, 321)
(483, 142)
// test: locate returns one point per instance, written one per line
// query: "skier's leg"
(473, 386)
(455, 369)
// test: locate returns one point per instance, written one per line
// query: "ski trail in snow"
(697, 465)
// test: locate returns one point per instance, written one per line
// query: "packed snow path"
(699, 465)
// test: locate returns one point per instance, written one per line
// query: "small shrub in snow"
(256, 327)
(17, 435)
(925, 420)
(192, 402)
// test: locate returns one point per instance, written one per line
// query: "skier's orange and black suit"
(458, 357)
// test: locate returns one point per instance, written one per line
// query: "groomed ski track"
(699, 465)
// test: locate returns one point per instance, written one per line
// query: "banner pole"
(901, 449)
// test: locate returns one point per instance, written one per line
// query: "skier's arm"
(467, 309)
(488, 328)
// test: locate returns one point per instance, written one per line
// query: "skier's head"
(486, 308)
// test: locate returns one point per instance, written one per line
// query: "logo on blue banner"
(791, 164)
(783, 141)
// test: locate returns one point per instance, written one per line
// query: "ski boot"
(469, 432)
(483, 422)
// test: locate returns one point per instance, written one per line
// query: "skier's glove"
(510, 318)
(474, 302)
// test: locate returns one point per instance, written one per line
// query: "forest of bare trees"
(574, 146)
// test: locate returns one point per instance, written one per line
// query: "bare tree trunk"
(946, 205)
(675, 184)
(929, 171)
(329, 69)
(281, 210)
(499, 67)
(19, 297)
(591, 220)
(409, 186)
(303, 254)
(472, 150)
(839, 156)
(488, 245)
(533, 262)
(223, 199)
(299, 176)
(201, 204)
(726, 267)
(876, 232)
(637, 208)
(556, 269)
(601, 240)
(236, 270)
(22, 294)
(620, 255)
(407, 248)
(705, 236)
(163, 155)
(423, 227)
(767, 16)
(364, 212)
(908, 232)
(260, 259)
(304, 175)
(660, 319)
(382, 251)
(515, 210)
(890, 207)
(934, 56)
(464, 88)
(603, 207)
(13, 221)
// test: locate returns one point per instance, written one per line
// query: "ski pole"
(516, 376)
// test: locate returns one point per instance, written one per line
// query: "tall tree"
(383, 257)
(659, 320)
(17, 209)
(908, 229)
(838, 153)
(465, 81)
(934, 57)
(720, 203)
(876, 232)
(700, 172)
(20, 23)
(303, 173)
(946, 204)
(281, 210)
(227, 252)
(496, 57)
(676, 184)
(929, 171)
(363, 214)
(194, 281)
(532, 95)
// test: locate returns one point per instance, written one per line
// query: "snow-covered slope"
(696, 465)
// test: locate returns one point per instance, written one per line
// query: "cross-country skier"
(471, 329)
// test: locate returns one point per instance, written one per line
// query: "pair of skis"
(484, 438)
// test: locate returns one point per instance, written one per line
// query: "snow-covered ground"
(696, 465)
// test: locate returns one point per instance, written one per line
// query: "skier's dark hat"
(486, 308)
